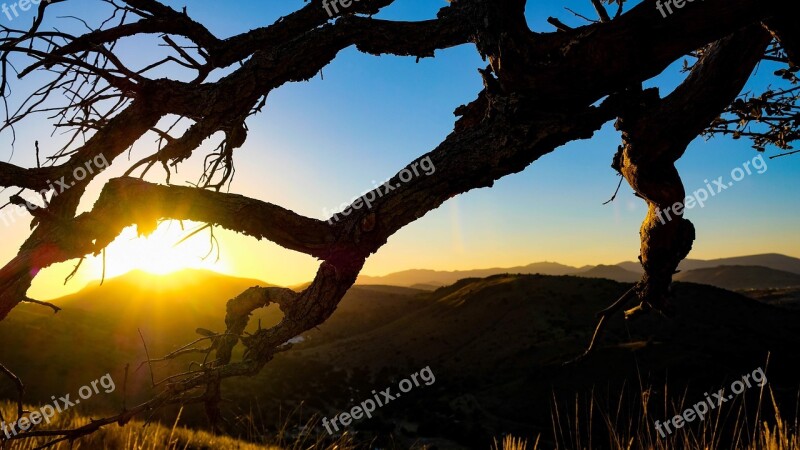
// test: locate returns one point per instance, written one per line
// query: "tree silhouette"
(541, 91)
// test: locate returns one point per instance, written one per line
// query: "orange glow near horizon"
(159, 253)
(244, 257)
(240, 256)
(156, 254)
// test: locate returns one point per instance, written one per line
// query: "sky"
(320, 143)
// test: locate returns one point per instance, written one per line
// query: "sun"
(164, 251)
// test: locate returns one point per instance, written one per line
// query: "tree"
(541, 91)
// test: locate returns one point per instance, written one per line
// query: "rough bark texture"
(656, 133)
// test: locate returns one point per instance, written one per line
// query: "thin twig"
(20, 388)
(125, 388)
(580, 15)
(785, 154)
(601, 324)
(613, 197)
(190, 235)
(147, 354)
(55, 308)
(103, 276)
(74, 271)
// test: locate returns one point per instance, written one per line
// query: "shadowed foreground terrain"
(496, 347)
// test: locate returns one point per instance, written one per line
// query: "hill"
(203, 288)
(770, 260)
(615, 273)
(628, 271)
(787, 298)
(496, 346)
(97, 331)
(741, 277)
(442, 278)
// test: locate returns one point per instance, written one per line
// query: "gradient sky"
(320, 143)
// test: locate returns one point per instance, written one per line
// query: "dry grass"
(133, 436)
(513, 443)
(741, 433)
(631, 435)
(136, 436)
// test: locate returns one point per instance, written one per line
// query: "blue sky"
(322, 142)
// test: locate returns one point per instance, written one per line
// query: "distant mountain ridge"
(741, 277)
(625, 272)
(615, 273)
(443, 277)
(774, 261)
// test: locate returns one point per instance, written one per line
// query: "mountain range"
(738, 273)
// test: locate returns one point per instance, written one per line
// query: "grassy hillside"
(496, 346)
(133, 436)
(786, 298)
(137, 435)
(97, 330)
